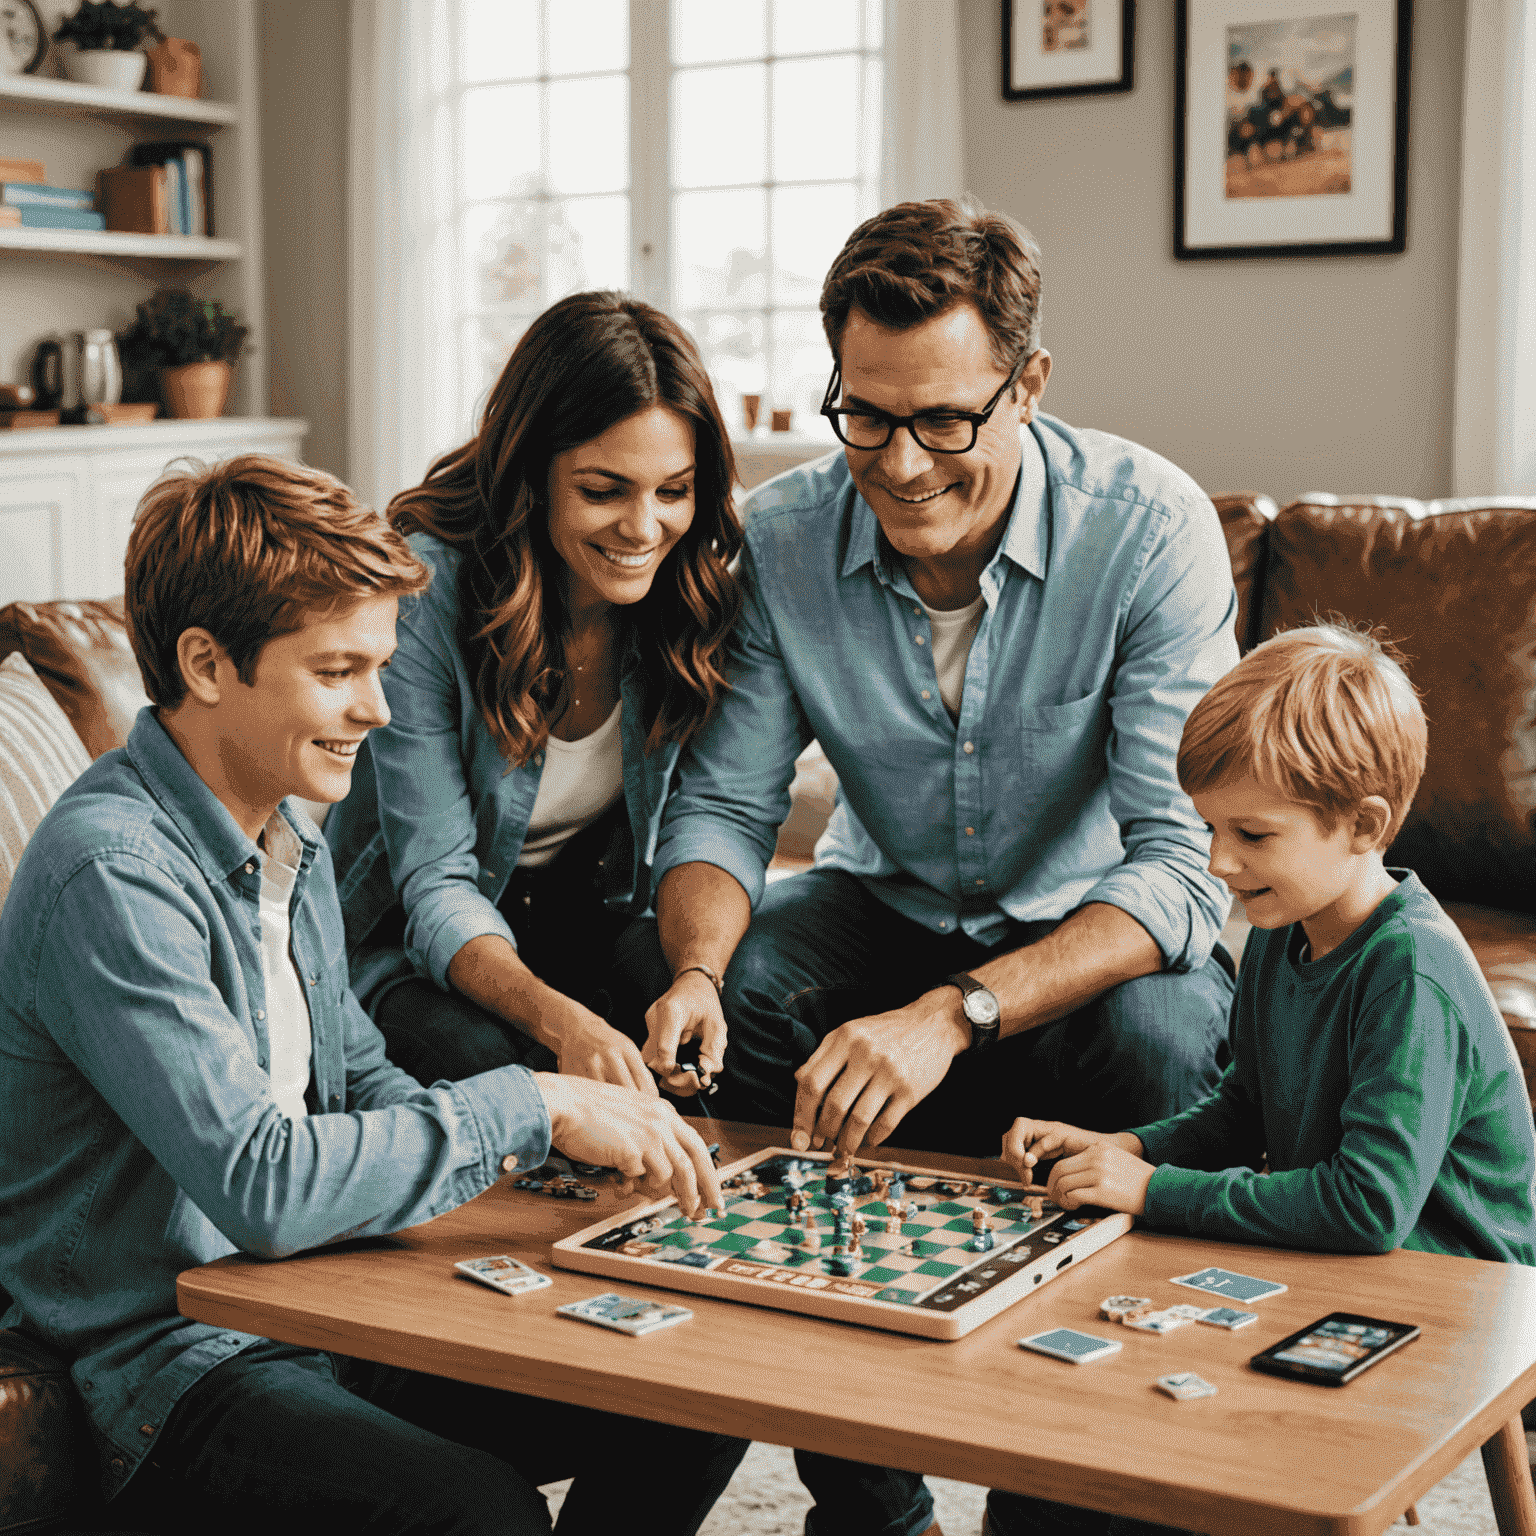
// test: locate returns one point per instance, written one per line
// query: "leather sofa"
(1453, 582)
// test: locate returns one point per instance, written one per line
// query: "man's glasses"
(938, 431)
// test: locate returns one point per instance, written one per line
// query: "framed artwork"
(1291, 128)
(1067, 47)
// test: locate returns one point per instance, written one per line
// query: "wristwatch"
(980, 1007)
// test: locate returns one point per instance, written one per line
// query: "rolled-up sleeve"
(426, 812)
(733, 784)
(1176, 641)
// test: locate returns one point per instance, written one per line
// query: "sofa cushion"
(1454, 583)
(40, 757)
(1245, 519)
(81, 652)
(44, 1470)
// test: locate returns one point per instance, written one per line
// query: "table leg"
(1509, 1481)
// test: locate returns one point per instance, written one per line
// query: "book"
(193, 193)
(20, 194)
(20, 170)
(175, 195)
(61, 218)
(10, 218)
(132, 198)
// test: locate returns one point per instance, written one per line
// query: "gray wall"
(1280, 374)
(303, 47)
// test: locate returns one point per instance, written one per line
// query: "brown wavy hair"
(585, 364)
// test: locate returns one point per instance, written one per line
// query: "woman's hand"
(587, 1046)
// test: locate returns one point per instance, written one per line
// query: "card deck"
(1068, 1344)
(1184, 1385)
(1160, 1322)
(625, 1314)
(1230, 1285)
(1229, 1318)
(504, 1273)
(1113, 1309)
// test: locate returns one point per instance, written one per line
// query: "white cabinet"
(68, 494)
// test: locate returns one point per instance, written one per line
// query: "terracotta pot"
(196, 391)
(113, 69)
(176, 68)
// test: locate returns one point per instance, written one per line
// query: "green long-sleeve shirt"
(1383, 1087)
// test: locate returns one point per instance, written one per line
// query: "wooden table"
(1264, 1455)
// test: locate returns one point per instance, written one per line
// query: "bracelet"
(704, 970)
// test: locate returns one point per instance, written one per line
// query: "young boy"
(185, 1072)
(1370, 1069)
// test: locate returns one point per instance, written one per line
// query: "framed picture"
(1291, 128)
(1067, 47)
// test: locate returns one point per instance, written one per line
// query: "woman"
(570, 643)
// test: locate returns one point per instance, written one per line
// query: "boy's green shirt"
(1382, 1086)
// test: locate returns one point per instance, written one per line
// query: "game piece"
(1185, 1385)
(625, 1314)
(1229, 1285)
(714, 1152)
(1228, 1318)
(1114, 1308)
(504, 1273)
(1156, 1322)
(839, 1265)
(703, 1088)
(1068, 1344)
(1189, 1313)
(893, 1226)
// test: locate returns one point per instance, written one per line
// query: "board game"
(911, 1249)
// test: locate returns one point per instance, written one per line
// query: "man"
(186, 1072)
(995, 625)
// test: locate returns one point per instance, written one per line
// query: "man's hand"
(643, 1137)
(1106, 1174)
(1027, 1142)
(868, 1073)
(589, 1047)
(688, 1010)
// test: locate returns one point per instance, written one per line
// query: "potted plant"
(108, 41)
(194, 343)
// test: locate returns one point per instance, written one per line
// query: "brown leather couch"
(1453, 582)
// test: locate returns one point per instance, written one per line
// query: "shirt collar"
(216, 839)
(1026, 538)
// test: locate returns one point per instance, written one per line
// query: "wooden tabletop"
(1264, 1455)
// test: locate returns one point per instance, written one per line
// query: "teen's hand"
(868, 1073)
(1106, 1174)
(654, 1149)
(1027, 1142)
(587, 1046)
(688, 1010)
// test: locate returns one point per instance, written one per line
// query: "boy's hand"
(643, 1137)
(1028, 1142)
(589, 1046)
(1105, 1174)
(688, 1010)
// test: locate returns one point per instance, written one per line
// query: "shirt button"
(148, 1429)
(927, 694)
(90, 1386)
(918, 611)
(250, 869)
(942, 923)
(918, 638)
(538, 761)
(261, 1061)
(970, 746)
(261, 1013)
(315, 979)
(508, 1163)
(981, 882)
(970, 831)
(335, 1100)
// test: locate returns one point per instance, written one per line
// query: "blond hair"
(1324, 714)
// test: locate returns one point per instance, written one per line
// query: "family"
(554, 699)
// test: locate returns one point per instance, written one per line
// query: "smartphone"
(1334, 1349)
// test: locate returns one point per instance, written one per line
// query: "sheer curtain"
(923, 153)
(1494, 445)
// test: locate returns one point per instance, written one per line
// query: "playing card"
(625, 1314)
(1185, 1384)
(1229, 1318)
(1069, 1344)
(504, 1273)
(1113, 1308)
(1160, 1322)
(1229, 1285)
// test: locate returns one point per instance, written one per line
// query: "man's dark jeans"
(280, 1438)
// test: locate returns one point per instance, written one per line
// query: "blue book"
(61, 218)
(24, 194)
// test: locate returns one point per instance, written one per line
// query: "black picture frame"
(1125, 81)
(1395, 243)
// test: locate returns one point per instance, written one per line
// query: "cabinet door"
(96, 546)
(37, 506)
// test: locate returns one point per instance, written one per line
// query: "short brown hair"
(916, 260)
(247, 550)
(1325, 715)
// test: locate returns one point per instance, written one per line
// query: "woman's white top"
(287, 1008)
(954, 630)
(581, 780)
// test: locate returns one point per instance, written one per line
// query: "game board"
(942, 1292)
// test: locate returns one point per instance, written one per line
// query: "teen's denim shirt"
(436, 817)
(138, 1133)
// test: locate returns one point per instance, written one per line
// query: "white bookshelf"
(64, 96)
(94, 242)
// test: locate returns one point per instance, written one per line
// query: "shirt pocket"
(1055, 739)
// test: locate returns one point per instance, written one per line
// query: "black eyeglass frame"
(893, 424)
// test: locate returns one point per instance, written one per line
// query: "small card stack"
(1184, 1385)
(504, 1273)
(625, 1314)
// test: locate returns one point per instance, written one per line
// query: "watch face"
(981, 1007)
(23, 41)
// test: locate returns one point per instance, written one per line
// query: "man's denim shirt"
(138, 1133)
(437, 818)
(1108, 612)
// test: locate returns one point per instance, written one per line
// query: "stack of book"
(26, 202)
(164, 190)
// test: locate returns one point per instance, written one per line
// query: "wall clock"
(23, 38)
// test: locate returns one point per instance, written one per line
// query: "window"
(710, 157)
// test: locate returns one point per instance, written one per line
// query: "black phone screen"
(1335, 1349)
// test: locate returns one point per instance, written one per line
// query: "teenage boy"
(186, 1073)
(1370, 1067)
